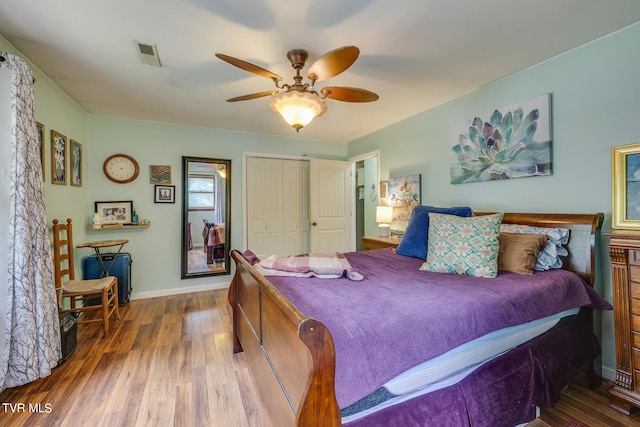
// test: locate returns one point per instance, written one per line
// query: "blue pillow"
(414, 241)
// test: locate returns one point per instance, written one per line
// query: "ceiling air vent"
(148, 53)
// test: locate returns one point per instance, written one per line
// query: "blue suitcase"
(121, 268)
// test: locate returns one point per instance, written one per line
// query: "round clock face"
(121, 168)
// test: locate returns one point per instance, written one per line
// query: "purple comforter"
(400, 316)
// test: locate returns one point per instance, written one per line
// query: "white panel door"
(305, 215)
(291, 201)
(330, 197)
(264, 205)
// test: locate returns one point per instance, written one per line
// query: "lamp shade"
(384, 214)
(298, 108)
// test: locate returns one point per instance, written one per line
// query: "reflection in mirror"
(206, 228)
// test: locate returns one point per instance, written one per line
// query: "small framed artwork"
(75, 162)
(625, 210)
(40, 136)
(58, 158)
(160, 174)
(383, 189)
(115, 212)
(165, 193)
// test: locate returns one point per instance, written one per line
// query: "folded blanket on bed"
(324, 266)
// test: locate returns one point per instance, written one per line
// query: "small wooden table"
(96, 246)
(374, 242)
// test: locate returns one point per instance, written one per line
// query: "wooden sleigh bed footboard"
(292, 357)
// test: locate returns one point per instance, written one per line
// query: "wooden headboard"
(582, 236)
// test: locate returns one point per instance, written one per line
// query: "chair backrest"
(63, 252)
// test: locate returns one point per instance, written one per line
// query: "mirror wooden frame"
(187, 232)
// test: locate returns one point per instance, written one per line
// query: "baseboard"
(177, 291)
(609, 373)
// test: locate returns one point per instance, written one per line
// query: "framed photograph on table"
(164, 194)
(625, 210)
(75, 163)
(115, 212)
(58, 158)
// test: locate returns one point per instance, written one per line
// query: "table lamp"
(383, 218)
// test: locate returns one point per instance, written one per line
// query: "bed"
(312, 369)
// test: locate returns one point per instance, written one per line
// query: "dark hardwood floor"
(168, 362)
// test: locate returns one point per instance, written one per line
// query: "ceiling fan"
(298, 103)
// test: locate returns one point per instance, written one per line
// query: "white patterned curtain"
(30, 339)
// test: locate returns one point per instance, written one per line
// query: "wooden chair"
(79, 292)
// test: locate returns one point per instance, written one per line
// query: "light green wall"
(595, 93)
(156, 251)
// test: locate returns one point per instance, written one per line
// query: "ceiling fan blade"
(248, 67)
(252, 96)
(333, 63)
(349, 94)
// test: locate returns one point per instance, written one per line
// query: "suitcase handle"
(108, 257)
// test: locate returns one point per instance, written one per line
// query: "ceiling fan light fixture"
(298, 108)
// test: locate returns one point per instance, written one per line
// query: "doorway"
(365, 195)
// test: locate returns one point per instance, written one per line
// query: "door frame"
(354, 160)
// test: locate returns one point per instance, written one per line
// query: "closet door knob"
(314, 223)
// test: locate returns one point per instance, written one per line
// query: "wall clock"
(121, 168)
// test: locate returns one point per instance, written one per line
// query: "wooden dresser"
(374, 242)
(624, 251)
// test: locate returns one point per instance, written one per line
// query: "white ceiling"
(415, 54)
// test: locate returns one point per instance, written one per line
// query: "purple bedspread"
(504, 391)
(400, 316)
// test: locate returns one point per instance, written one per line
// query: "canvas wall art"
(160, 174)
(510, 142)
(403, 193)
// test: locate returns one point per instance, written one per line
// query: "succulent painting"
(502, 147)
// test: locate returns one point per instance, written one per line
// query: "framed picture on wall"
(75, 162)
(58, 158)
(160, 174)
(625, 210)
(40, 136)
(383, 189)
(164, 193)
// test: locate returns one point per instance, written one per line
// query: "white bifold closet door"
(277, 204)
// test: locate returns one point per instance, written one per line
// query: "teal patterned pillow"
(463, 245)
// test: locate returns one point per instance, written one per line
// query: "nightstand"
(374, 242)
